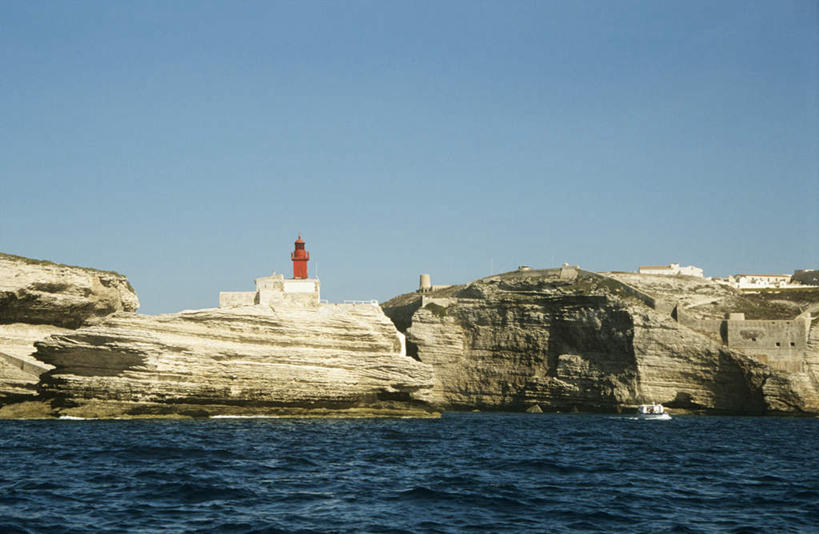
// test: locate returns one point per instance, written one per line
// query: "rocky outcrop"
(40, 298)
(41, 292)
(70, 345)
(335, 359)
(19, 369)
(582, 342)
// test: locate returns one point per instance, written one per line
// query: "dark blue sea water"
(463, 472)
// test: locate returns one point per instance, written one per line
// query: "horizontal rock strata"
(19, 369)
(252, 360)
(41, 292)
(578, 341)
(40, 298)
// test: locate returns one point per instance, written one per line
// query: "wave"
(479, 472)
(245, 417)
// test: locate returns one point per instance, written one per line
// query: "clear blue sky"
(186, 143)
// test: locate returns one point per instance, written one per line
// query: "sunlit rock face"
(40, 298)
(41, 292)
(254, 360)
(511, 341)
(70, 344)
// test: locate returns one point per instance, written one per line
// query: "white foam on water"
(245, 417)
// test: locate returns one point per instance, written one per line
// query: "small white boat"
(652, 411)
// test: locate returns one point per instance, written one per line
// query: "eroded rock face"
(19, 369)
(252, 360)
(40, 298)
(41, 292)
(523, 339)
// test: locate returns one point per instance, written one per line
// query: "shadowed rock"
(509, 341)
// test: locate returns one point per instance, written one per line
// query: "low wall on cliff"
(713, 328)
(659, 305)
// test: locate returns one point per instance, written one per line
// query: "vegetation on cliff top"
(33, 261)
(46, 263)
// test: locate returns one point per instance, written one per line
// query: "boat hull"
(654, 417)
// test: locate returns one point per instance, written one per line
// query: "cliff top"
(43, 292)
(762, 304)
(33, 261)
(702, 298)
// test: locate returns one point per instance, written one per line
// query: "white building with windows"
(762, 281)
(671, 269)
(274, 291)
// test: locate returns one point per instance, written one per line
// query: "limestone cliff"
(70, 344)
(41, 292)
(252, 360)
(573, 340)
(19, 369)
(39, 298)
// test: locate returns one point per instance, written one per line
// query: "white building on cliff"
(671, 269)
(277, 290)
(762, 281)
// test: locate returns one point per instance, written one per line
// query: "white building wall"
(306, 285)
(270, 282)
(691, 270)
(751, 281)
(275, 291)
(236, 299)
(657, 270)
(672, 269)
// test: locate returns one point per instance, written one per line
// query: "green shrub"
(436, 309)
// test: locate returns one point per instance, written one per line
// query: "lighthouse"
(276, 291)
(300, 258)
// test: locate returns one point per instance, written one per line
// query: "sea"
(464, 472)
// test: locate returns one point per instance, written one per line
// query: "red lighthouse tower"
(300, 258)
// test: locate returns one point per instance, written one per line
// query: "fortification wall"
(660, 305)
(768, 335)
(713, 328)
(780, 344)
